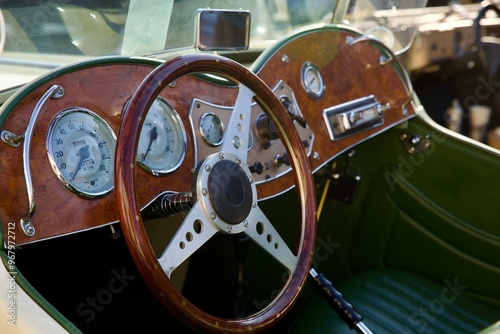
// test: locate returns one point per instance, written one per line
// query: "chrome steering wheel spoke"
(193, 233)
(238, 129)
(266, 236)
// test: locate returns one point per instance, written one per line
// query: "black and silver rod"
(335, 299)
(168, 204)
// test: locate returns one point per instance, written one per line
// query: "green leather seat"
(399, 302)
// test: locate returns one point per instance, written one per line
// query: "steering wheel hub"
(225, 188)
(230, 192)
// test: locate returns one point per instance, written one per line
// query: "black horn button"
(230, 192)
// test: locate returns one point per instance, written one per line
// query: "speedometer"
(162, 143)
(81, 150)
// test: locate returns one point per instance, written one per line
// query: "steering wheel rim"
(131, 221)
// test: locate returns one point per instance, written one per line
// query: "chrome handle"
(54, 91)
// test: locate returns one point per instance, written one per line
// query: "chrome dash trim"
(54, 91)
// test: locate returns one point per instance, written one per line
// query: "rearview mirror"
(222, 29)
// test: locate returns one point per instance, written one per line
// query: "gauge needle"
(153, 134)
(84, 154)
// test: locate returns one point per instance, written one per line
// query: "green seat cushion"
(393, 301)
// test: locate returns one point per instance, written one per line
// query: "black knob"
(257, 167)
(282, 159)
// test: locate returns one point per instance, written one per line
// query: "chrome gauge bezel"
(315, 91)
(206, 136)
(250, 140)
(105, 132)
(181, 139)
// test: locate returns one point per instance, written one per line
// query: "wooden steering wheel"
(224, 195)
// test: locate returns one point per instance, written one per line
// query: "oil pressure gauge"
(211, 129)
(312, 80)
(81, 150)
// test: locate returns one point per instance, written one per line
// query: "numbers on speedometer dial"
(162, 143)
(81, 149)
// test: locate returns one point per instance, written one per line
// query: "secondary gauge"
(81, 150)
(312, 81)
(211, 129)
(162, 143)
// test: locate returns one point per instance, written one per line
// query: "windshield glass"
(393, 22)
(36, 36)
(123, 27)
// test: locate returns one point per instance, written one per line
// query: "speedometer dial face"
(162, 143)
(81, 149)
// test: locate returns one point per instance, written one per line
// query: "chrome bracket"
(415, 143)
(12, 139)
(384, 59)
(27, 227)
(55, 92)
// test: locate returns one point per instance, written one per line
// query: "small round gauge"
(81, 149)
(162, 143)
(211, 128)
(312, 81)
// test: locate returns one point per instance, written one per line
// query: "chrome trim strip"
(54, 91)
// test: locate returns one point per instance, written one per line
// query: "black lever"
(345, 310)
(289, 106)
